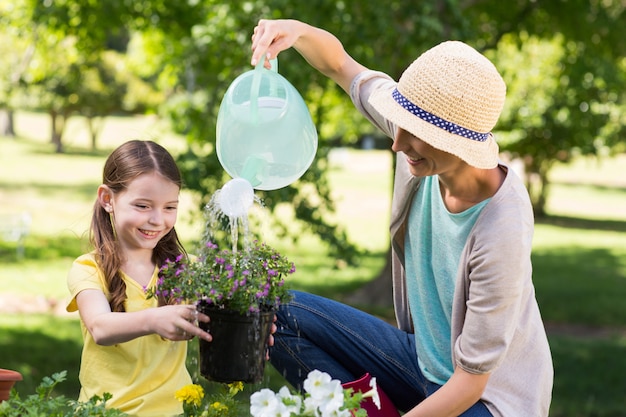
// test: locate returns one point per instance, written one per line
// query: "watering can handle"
(273, 63)
(256, 83)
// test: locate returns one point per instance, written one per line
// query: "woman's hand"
(271, 340)
(271, 37)
(322, 50)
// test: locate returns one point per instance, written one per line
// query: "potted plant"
(240, 291)
(7, 379)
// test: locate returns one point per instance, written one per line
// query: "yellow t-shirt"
(143, 374)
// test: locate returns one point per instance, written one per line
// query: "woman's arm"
(174, 322)
(462, 390)
(322, 50)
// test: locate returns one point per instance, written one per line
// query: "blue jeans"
(319, 333)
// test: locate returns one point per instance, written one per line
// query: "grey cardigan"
(496, 324)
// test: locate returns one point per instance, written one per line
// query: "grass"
(38, 345)
(579, 256)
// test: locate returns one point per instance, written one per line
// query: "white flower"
(333, 401)
(264, 403)
(324, 397)
(292, 402)
(325, 394)
(338, 413)
(373, 393)
(310, 407)
(281, 411)
(316, 383)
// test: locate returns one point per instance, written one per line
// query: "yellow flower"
(218, 406)
(235, 387)
(190, 394)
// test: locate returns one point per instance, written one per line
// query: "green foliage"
(43, 403)
(548, 118)
(566, 94)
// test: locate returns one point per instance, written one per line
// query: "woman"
(470, 340)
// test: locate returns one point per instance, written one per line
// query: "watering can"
(265, 134)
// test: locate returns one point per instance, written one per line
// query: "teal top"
(434, 241)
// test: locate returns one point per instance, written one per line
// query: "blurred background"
(78, 78)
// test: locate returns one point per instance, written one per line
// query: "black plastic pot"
(239, 346)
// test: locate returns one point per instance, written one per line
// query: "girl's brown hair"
(126, 163)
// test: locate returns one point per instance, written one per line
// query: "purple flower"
(231, 279)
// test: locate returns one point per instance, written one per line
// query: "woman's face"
(423, 159)
(145, 212)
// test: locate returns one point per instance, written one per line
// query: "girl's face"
(145, 212)
(423, 159)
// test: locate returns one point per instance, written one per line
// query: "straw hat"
(450, 97)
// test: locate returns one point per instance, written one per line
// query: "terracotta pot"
(387, 409)
(240, 341)
(7, 379)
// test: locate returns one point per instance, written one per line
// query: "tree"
(200, 67)
(549, 117)
(566, 79)
(17, 47)
(565, 71)
(72, 71)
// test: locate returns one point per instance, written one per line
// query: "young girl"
(134, 347)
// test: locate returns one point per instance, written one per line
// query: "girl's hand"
(180, 322)
(173, 322)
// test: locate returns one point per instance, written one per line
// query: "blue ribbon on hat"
(436, 120)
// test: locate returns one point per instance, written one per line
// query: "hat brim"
(478, 154)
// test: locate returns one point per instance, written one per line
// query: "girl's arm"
(322, 50)
(174, 322)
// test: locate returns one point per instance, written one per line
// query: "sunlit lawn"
(579, 256)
